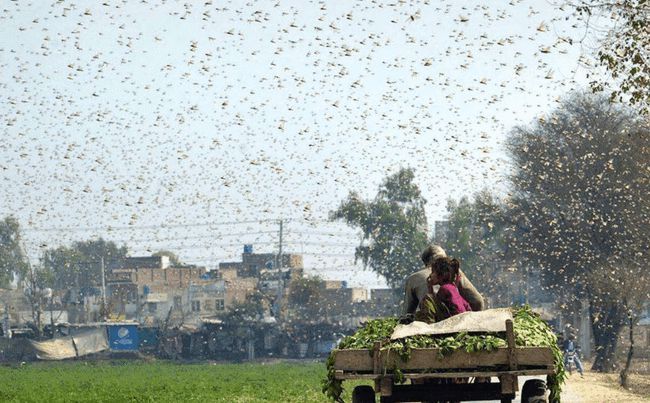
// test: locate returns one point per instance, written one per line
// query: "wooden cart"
(505, 363)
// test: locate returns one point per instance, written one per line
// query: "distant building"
(384, 302)
(440, 231)
(212, 297)
(254, 264)
(138, 286)
(273, 274)
(335, 284)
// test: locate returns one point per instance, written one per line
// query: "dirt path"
(603, 388)
(598, 388)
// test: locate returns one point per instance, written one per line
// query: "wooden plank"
(376, 358)
(528, 356)
(353, 360)
(454, 374)
(510, 339)
(424, 359)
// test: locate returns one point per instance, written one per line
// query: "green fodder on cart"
(530, 330)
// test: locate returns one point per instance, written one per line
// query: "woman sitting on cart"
(447, 301)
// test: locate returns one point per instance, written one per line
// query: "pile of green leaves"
(530, 330)
(373, 331)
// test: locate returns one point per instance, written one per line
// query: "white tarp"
(54, 349)
(91, 341)
(490, 320)
(86, 342)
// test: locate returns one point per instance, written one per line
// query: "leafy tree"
(12, 259)
(80, 264)
(625, 50)
(393, 227)
(581, 207)
(37, 284)
(475, 234)
(251, 309)
(460, 240)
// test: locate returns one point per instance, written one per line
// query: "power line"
(257, 242)
(192, 237)
(160, 226)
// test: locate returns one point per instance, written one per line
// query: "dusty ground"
(603, 388)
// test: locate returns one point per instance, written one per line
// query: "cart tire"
(363, 394)
(534, 391)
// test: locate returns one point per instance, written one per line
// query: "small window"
(152, 306)
(178, 301)
(219, 305)
(196, 306)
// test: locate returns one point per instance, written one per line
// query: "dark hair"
(446, 269)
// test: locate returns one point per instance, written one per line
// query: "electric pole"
(280, 277)
(280, 248)
(104, 313)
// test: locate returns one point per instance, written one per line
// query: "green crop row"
(162, 381)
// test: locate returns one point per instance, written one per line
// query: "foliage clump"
(530, 330)
(393, 226)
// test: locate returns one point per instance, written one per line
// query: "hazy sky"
(192, 126)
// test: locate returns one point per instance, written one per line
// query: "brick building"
(214, 296)
(255, 264)
(141, 286)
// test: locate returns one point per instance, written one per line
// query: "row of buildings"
(154, 292)
(188, 311)
(196, 305)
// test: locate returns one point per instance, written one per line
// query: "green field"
(136, 381)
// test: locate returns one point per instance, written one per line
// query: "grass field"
(131, 381)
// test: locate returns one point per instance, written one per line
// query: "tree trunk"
(606, 322)
(630, 353)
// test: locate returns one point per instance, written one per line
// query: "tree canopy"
(393, 226)
(475, 234)
(580, 207)
(12, 259)
(305, 297)
(80, 264)
(625, 50)
(252, 308)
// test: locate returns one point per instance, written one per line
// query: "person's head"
(444, 270)
(431, 253)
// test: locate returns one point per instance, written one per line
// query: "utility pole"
(52, 315)
(34, 297)
(280, 248)
(103, 290)
(280, 279)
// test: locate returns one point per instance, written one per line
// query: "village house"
(272, 272)
(256, 264)
(215, 294)
(149, 286)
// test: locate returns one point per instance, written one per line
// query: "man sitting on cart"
(416, 287)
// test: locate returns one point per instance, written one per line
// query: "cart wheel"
(534, 391)
(363, 394)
